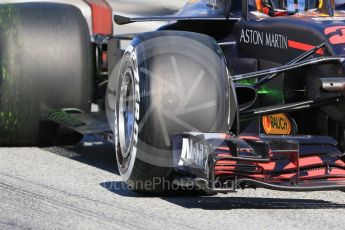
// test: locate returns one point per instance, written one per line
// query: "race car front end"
(223, 163)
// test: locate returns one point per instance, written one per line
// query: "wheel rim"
(126, 113)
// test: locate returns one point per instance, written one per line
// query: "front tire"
(168, 82)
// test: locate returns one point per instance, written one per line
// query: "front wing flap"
(224, 163)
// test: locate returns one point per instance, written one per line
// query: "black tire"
(151, 93)
(46, 64)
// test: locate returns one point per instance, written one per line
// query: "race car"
(227, 95)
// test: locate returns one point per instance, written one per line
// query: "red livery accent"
(290, 166)
(249, 138)
(305, 161)
(340, 163)
(303, 46)
(282, 166)
(223, 148)
(102, 16)
(268, 166)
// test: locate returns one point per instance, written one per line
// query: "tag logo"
(278, 124)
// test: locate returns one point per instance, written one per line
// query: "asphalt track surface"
(78, 187)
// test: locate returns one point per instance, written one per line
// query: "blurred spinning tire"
(46, 64)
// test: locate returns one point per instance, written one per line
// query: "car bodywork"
(290, 124)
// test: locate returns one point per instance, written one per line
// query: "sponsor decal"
(274, 40)
(137, 106)
(278, 124)
(336, 34)
(303, 46)
(265, 39)
(194, 153)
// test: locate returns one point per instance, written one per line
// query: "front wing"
(224, 163)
